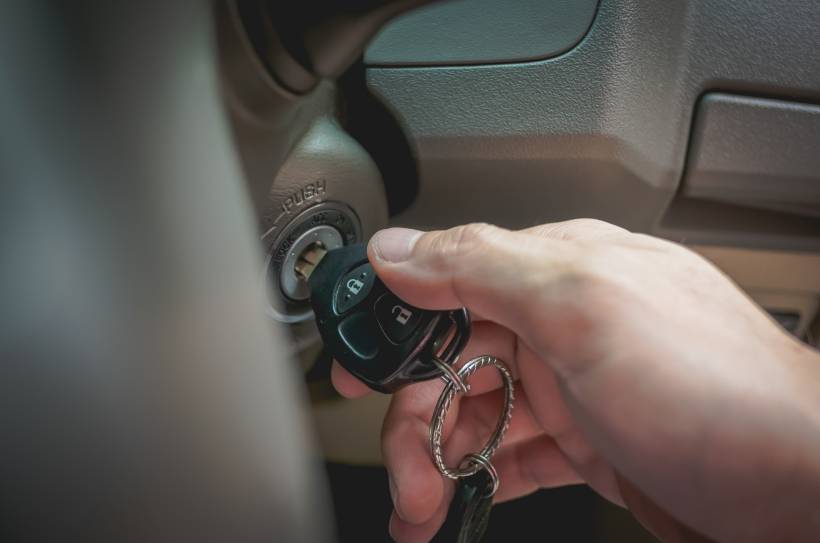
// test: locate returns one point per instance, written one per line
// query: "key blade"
(469, 512)
(309, 259)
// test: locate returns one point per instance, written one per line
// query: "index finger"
(419, 491)
(346, 384)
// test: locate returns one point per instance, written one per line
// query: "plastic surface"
(395, 318)
(757, 152)
(327, 179)
(353, 288)
(482, 32)
(309, 40)
(385, 349)
(602, 130)
(283, 247)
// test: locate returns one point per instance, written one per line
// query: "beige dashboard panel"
(766, 270)
(349, 431)
(779, 281)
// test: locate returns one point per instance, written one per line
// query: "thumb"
(496, 273)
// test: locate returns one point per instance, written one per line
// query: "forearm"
(807, 477)
(755, 475)
(792, 474)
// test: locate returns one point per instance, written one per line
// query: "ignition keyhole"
(291, 281)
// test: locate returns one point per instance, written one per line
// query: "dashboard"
(697, 121)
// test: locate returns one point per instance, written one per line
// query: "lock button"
(353, 288)
(383, 341)
(397, 319)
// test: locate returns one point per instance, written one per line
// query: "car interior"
(165, 164)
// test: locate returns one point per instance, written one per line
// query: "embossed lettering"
(303, 195)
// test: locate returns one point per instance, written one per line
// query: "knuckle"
(595, 224)
(581, 229)
(582, 285)
(593, 278)
(469, 236)
(584, 288)
(465, 240)
(589, 222)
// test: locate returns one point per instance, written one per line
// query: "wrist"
(804, 363)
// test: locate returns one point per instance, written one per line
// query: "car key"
(469, 512)
(387, 343)
(382, 340)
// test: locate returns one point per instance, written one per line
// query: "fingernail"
(394, 244)
(394, 493)
(390, 527)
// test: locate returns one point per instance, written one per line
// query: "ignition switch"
(293, 286)
(330, 224)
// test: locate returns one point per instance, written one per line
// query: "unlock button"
(397, 319)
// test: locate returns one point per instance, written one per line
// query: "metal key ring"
(444, 403)
(483, 463)
(450, 375)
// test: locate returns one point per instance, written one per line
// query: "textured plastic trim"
(756, 152)
(482, 32)
(602, 130)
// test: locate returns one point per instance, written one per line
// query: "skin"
(641, 371)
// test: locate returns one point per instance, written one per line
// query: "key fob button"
(376, 336)
(357, 333)
(353, 288)
(397, 319)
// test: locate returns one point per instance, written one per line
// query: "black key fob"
(469, 512)
(376, 336)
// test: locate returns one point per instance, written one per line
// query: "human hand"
(641, 370)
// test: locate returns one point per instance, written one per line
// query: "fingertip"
(392, 529)
(345, 383)
(417, 497)
(419, 500)
(393, 244)
(416, 486)
(402, 531)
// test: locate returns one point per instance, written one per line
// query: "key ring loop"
(443, 405)
(483, 463)
(450, 375)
